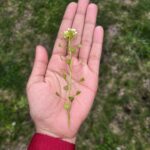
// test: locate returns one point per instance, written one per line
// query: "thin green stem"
(70, 66)
(70, 78)
(68, 118)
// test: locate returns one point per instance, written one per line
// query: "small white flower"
(118, 148)
(70, 33)
(13, 123)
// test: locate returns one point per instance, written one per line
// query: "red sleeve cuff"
(45, 142)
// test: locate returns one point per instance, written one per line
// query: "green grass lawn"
(120, 116)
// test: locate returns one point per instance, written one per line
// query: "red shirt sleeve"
(45, 142)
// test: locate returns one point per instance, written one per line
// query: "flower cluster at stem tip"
(70, 33)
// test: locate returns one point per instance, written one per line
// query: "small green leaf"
(57, 94)
(65, 76)
(66, 88)
(71, 98)
(72, 49)
(67, 106)
(68, 61)
(82, 79)
(78, 92)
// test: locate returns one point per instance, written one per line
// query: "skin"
(46, 108)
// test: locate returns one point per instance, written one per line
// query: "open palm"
(46, 108)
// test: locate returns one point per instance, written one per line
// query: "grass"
(120, 116)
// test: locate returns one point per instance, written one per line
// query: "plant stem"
(70, 66)
(70, 77)
(68, 118)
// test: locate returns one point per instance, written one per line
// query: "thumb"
(40, 65)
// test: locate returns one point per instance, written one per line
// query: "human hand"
(46, 108)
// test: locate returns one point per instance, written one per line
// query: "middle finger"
(78, 22)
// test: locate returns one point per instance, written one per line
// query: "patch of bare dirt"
(6, 94)
(113, 31)
(115, 128)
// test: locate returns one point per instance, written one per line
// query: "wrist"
(70, 140)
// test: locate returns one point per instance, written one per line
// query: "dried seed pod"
(82, 79)
(57, 94)
(78, 92)
(71, 98)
